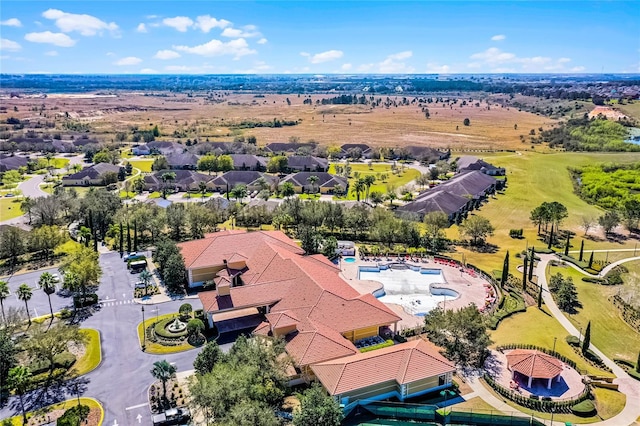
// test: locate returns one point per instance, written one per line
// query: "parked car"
(131, 255)
(173, 416)
(56, 278)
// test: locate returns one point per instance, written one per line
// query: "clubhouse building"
(262, 281)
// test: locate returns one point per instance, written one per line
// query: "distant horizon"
(314, 37)
(625, 74)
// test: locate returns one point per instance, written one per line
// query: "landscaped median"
(92, 356)
(157, 337)
(50, 414)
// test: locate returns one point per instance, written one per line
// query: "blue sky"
(319, 37)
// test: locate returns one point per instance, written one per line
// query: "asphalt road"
(121, 381)
(31, 187)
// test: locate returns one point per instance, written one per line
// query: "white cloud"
(57, 39)
(205, 23)
(346, 67)
(498, 37)
(258, 67)
(438, 69)
(86, 25)
(393, 65)
(110, 54)
(493, 55)
(263, 41)
(178, 68)
(129, 60)
(12, 22)
(166, 54)
(180, 23)
(6, 44)
(148, 71)
(141, 28)
(51, 53)
(580, 69)
(318, 58)
(564, 60)
(236, 48)
(496, 60)
(247, 31)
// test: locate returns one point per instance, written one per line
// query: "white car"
(56, 278)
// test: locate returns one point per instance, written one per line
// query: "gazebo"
(534, 365)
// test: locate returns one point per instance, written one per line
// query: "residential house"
(264, 281)
(182, 161)
(469, 162)
(426, 154)
(185, 180)
(12, 162)
(307, 163)
(347, 150)
(159, 147)
(325, 184)
(288, 147)
(249, 162)
(92, 175)
(251, 179)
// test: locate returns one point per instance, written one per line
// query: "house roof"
(534, 363)
(97, 171)
(166, 147)
(303, 290)
(182, 159)
(306, 161)
(363, 147)
(183, 177)
(473, 183)
(248, 160)
(12, 163)
(469, 162)
(241, 177)
(326, 180)
(287, 146)
(404, 363)
(435, 201)
(419, 151)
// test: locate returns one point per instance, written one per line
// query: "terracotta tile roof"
(534, 363)
(303, 290)
(404, 363)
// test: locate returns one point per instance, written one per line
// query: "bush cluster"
(74, 416)
(160, 329)
(516, 233)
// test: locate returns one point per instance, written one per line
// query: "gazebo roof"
(534, 364)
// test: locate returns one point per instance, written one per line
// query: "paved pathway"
(31, 187)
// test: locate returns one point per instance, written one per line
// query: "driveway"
(31, 187)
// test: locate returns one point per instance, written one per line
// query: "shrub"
(399, 338)
(185, 310)
(595, 280)
(65, 313)
(592, 356)
(384, 344)
(82, 301)
(573, 340)
(39, 366)
(74, 416)
(160, 329)
(634, 374)
(516, 233)
(64, 360)
(585, 408)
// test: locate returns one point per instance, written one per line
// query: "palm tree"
(287, 189)
(368, 181)
(26, 205)
(145, 277)
(163, 371)
(166, 179)
(84, 235)
(4, 293)
(24, 293)
(358, 188)
(313, 180)
(18, 380)
(48, 285)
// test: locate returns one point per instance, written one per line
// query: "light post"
(579, 336)
(144, 331)
(554, 344)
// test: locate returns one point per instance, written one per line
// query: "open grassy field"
(609, 332)
(492, 126)
(532, 179)
(632, 110)
(59, 163)
(377, 170)
(10, 208)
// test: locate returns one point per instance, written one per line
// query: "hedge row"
(538, 348)
(384, 344)
(516, 304)
(534, 403)
(160, 329)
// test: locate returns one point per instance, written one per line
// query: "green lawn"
(539, 328)
(143, 165)
(10, 208)
(155, 194)
(93, 354)
(59, 163)
(124, 194)
(396, 180)
(41, 414)
(609, 332)
(532, 179)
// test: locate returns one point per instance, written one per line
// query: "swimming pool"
(415, 289)
(349, 259)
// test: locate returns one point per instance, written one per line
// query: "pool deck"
(472, 289)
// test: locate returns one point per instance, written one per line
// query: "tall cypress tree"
(638, 363)
(524, 274)
(587, 338)
(135, 236)
(539, 297)
(581, 250)
(121, 239)
(128, 238)
(532, 262)
(505, 270)
(591, 259)
(566, 246)
(550, 238)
